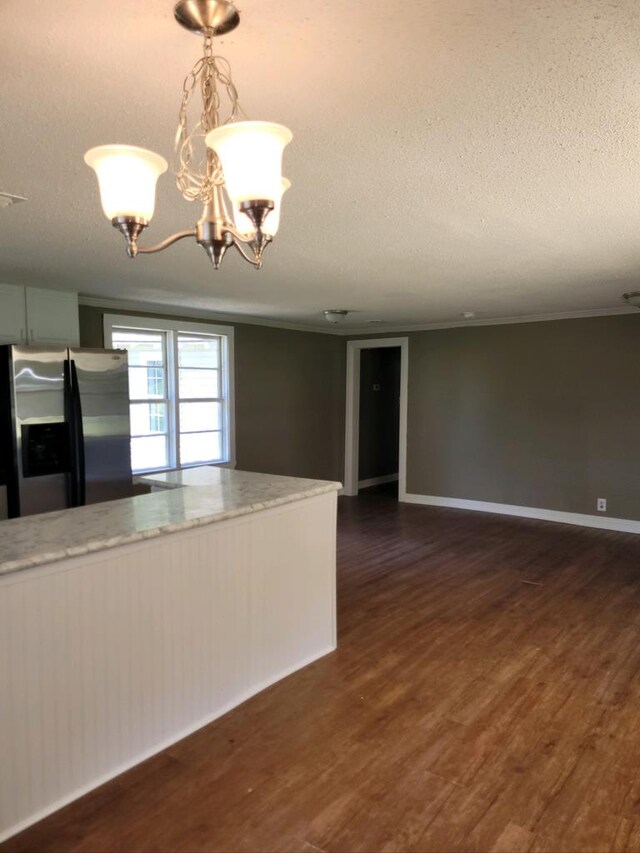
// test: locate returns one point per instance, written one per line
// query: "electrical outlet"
(602, 504)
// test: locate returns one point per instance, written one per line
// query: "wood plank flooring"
(485, 696)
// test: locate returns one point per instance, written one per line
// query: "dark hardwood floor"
(485, 696)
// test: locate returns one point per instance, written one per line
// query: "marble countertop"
(186, 499)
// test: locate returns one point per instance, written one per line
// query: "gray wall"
(379, 412)
(539, 414)
(290, 390)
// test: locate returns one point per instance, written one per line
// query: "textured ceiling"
(448, 155)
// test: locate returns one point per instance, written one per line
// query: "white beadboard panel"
(107, 659)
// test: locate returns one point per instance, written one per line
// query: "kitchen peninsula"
(126, 625)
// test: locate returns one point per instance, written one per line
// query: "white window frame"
(227, 377)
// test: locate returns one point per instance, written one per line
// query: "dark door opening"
(379, 429)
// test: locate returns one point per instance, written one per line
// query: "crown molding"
(375, 329)
(383, 329)
(197, 314)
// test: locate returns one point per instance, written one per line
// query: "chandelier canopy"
(231, 165)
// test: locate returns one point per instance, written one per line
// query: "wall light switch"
(602, 504)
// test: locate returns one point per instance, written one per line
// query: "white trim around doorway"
(352, 430)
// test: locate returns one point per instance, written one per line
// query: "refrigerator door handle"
(70, 418)
(77, 432)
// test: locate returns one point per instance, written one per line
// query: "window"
(155, 378)
(180, 390)
(157, 418)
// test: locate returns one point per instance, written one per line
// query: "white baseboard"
(378, 481)
(603, 522)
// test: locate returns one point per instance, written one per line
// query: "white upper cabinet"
(36, 316)
(13, 315)
(52, 317)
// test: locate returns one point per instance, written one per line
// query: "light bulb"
(250, 153)
(127, 179)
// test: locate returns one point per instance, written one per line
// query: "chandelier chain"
(197, 168)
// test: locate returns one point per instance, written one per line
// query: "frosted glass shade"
(127, 179)
(250, 153)
(271, 223)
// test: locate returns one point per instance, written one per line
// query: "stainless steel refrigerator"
(64, 428)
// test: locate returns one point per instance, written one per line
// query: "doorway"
(377, 384)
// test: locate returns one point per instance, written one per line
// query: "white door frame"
(352, 431)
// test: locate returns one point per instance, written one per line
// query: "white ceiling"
(448, 155)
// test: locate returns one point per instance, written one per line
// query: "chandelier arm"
(255, 262)
(247, 239)
(258, 242)
(168, 242)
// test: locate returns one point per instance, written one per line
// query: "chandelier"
(232, 166)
